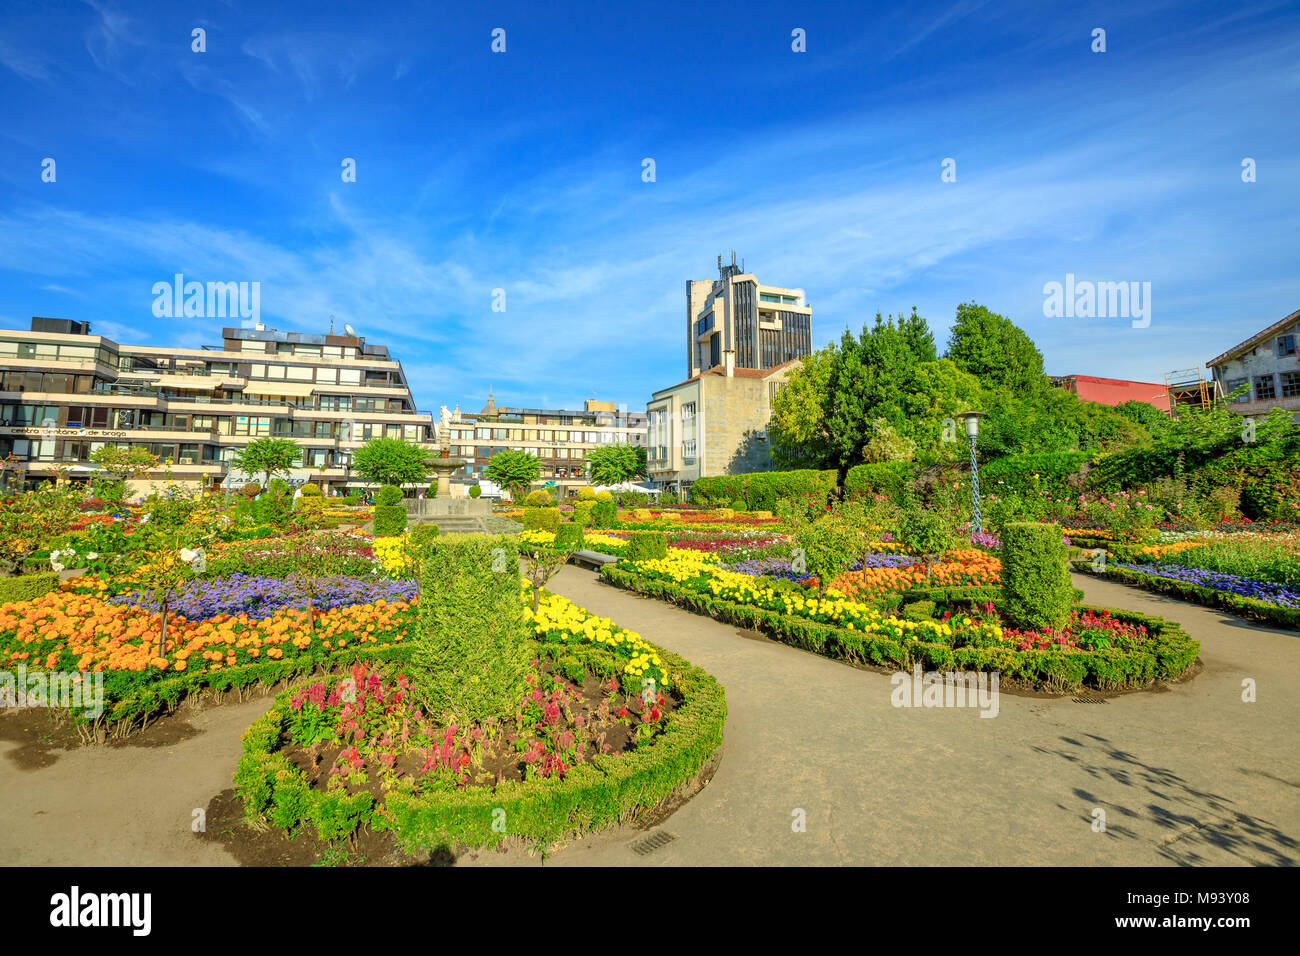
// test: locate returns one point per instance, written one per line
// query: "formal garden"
(429, 687)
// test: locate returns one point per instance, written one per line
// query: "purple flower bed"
(261, 597)
(778, 567)
(1279, 594)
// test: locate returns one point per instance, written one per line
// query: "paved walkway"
(1191, 775)
(1188, 776)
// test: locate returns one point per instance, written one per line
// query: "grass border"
(1172, 653)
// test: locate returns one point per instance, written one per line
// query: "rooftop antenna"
(331, 323)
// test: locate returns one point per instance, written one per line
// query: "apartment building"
(714, 423)
(65, 392)
(764, 325)
(561, 438)
(1267, 364)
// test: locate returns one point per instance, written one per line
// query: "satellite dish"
(349, 330)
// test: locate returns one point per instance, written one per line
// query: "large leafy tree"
(938, 392)
(797, 431)
(994, 350)
(268, 457)
(515, 470)
(615, 464)
(391, 461)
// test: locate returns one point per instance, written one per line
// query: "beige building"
(561, 438)
(765, 325)
(65, 392)
(742, 341)
(714, 423)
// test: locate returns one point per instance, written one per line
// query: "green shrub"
(422, 533)
(473, 647)
(918, 611)
(604, 513)
(605, 496)
(251, 490)
(1016, 472)
(475, 491)
(26, 587)
(1036, 587)
(568, 536)
(632, 499)
(582, 511)
(310, 490)
(390, 520)
(646, 546)
(539, 499)
(541, 519)
(887, 478)
(277, 488)
(586, 493)
(389, 495)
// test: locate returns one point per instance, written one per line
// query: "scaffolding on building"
(1188, 388)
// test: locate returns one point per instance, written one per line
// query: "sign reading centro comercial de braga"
(38, 431)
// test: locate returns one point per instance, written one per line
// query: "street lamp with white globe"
(972, 423)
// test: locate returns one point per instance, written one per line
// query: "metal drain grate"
(1089, 700)
(647, 845)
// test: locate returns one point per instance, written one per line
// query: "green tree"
(515, 470)
(615, 464)
(391, 461)
(938, 392)
(123, 464)
(797, 431)
(267, 457)
(994, 350)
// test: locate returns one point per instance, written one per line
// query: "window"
(1264, 389)
(1290, 384)
(1285, 345)
(1232, 384)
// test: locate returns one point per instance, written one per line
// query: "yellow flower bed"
(690, 571)
(561, 621)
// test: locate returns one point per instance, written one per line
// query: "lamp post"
(972, 422)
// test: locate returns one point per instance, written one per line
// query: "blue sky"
(523, 171)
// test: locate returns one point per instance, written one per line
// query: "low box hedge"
(610, 790)
(1171, 652)
(27, 587)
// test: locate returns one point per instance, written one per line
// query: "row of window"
(181, 453)
(487, 451)
(1265, 387)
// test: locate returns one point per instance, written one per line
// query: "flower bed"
(583, 750)
(859, 633)
(1190, 585)
(258, 596)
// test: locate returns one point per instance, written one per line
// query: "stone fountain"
(448, 513)
(442, 464)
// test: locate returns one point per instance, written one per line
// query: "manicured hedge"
(887, 478)
(1170, 654)
(27, 587)
(646, 546)
(1036, 589)
(761, 490)
(611, 790)
(1247, 607)
(568, 535)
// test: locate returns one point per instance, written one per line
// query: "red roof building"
(1114, 391)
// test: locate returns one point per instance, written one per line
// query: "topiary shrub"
(473, 647)
(586, 493)
(568, 536)
(277, 488)
(582, 512)
(606, 496)
(389, 495)
(475, 491)
(1037, 593)
(604, 514)
(541, 519)
(390, 520)
(646, 546)
(251, 490)
(539, 499)
(310, 490)
(422, 533)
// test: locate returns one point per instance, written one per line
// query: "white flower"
(187, 555)
(92, 556)
(56, 566)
